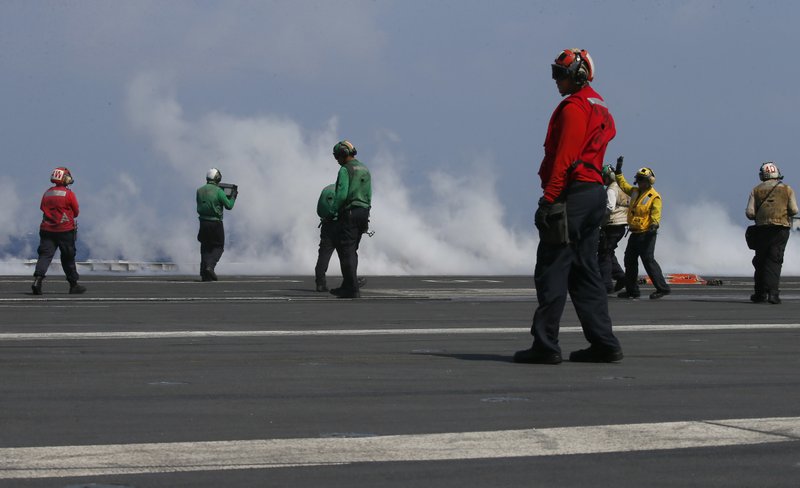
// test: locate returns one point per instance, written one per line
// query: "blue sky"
(447, 102)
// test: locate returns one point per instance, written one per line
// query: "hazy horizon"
(447, 103)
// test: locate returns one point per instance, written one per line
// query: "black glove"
(540, 219)
(618, 169)
(234, 192)
(653, 227)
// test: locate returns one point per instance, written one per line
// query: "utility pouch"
(557, 232)
(751, 236)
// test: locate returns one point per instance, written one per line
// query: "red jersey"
(579, 132)
(59, 209)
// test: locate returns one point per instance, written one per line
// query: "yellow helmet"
(646, 174)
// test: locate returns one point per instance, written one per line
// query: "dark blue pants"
(610, 270)
(573, 269)
(642, 245)
(212, 243)
(768, 261)
(64, 242)
(328, 233)
(354, 223)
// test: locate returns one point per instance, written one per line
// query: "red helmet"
(575, 63)
(61, 176)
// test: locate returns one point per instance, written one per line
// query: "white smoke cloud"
(18, 225)
(702, 238)
(10, 222)
(281, 167)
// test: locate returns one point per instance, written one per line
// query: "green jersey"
(353, 186)
(210, 201)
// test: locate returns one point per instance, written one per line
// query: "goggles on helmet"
(573, 63)
(559, 72)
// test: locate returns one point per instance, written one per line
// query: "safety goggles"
(559, 72)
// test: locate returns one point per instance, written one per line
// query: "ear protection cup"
(580, 76)
(588, 64)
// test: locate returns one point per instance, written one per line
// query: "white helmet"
(769, 171)
(214, 175)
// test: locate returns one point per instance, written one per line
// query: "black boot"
(211, 274)
(774, 298)
(75, 288)
(36, 287)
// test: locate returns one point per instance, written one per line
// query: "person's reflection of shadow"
(470, 357)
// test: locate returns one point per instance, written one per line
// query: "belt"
(579, 186)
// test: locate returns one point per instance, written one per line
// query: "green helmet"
(608, 171)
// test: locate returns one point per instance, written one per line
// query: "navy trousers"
(573, 269)
(642, 245)
(610, 270)
(64, 242)
(354, 223)
(328, 233)
(768, 261)
(212, 243)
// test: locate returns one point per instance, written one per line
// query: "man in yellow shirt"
(644, 218)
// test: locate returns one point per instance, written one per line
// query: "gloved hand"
(618, 169)
(540, 219)
(653, 227)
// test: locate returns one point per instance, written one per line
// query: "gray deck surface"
(167, 359)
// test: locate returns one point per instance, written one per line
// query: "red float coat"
(59, 209)
(579, 131)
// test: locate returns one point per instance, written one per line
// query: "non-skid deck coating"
(260, 381)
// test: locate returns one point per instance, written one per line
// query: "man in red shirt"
(569, 217)
(58, 231)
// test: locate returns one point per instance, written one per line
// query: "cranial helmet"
(214, 175)
(61, 176)
(646, 174)
(769, 171)
(574, 63)
(342, 149)
(608, 171)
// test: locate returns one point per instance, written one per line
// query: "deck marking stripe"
(200, 334)
(117, 459)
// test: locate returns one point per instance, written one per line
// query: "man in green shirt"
(211, 199)
(352, 201)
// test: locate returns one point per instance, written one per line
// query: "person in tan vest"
(771, 205)
(612, 231)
